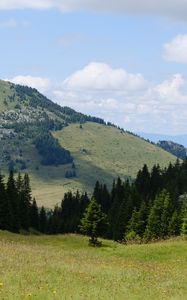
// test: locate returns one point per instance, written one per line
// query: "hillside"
(41, 267)
(174, 148)
(46, 140)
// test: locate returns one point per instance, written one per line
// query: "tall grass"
(65, 267)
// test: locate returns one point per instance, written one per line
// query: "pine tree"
(102, 196)
(143, 184)
(93, 221)
(34, 215)
(25, 203)
(54, 223)
(137, 224)
(12, 197)
(184, 219)
(159, 217)
(175, 224)
(43, 220)
(4, 207)
(184, 225)
(156, 184)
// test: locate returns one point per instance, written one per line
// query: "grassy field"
(100, 153)
(65, 267)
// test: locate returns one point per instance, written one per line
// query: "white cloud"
(24, 4)
(41, 84)
(127, 100)
(147, 107)
(176, 50)
(173, 9)
(173, 90)
(100, 76)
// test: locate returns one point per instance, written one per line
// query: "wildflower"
(54, 292)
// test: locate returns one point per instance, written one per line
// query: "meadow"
(65, 267)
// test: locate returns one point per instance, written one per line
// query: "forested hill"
(26, 100)
(174, 148)
(62, 149)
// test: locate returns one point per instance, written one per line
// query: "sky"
(124, 61)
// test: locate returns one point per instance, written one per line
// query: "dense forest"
(151, 207)
(176, 149)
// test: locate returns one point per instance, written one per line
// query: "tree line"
(18, 211)
(153, 206)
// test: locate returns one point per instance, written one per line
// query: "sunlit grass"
(65, 267)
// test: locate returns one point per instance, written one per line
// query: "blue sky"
(123, 62)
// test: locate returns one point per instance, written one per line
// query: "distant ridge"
(63, 149)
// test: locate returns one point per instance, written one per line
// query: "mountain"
(176, 149)
(179, 139)
(63, 149)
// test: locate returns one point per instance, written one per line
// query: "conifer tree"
(137, 223)
(4, 207)
(184, 218)
(184, 225)
(34, 215)
(175, 224)
(142, 184)
(159, 217)
(24, 195)
(12, 198)
(42, 220)
(93, 221)
(54, 222)
(155, 181)
(102, 196)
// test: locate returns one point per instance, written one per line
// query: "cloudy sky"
(122, 60)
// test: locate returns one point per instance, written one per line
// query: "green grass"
(65, 267)
(6, 91)
(109, 154)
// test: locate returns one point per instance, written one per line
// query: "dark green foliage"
(51, 151)
(93, 221)
(43, 220)
(34, 215)
(5, 217)
(176, 149)
(159, 217)
(70, 173)
(137, 223)
(38, 100)
(120, 209)
(175, 224)
(25, 200)
(131, 211)
(102, 196)
(184, 216)
(12, 198)
(143, 184)
(17, 211)
(184, 225)
(72, 209)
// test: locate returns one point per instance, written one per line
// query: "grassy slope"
(64, 267)
(109, 154)
(5, 91)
